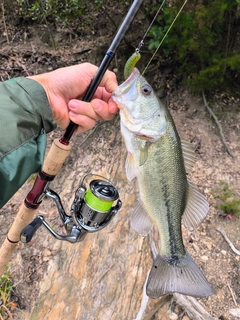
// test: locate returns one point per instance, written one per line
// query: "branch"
(218, 124)
(228, 241)
(232, 294)
(192, 307)
(144, 302)
(235, 312)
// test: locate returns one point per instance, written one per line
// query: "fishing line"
(131, 62)
(170, 27)
(141, 43)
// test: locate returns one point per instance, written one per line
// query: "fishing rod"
(93, 207)
(104, 65)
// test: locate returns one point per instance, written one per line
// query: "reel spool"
(95, 207)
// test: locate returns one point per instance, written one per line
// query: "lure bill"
(159, 160)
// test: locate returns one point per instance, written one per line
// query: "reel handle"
(29, 231)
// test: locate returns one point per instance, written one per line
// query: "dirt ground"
(29, 52)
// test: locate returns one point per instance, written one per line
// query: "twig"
(105, 12)
(144, 302)
(11, 69)
(159, 305)
(234, 300)
(8, 312)
(218, 124)
(23, 68)
(79, 52)
(2, 41)
(235, 312)
(223, 233)
(192, 307)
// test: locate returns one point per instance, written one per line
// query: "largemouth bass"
(160, 161)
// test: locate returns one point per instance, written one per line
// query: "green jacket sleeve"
(25, 119)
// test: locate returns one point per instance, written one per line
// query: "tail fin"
(184, 277)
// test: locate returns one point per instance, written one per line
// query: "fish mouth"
(117, 94)
(134, 74)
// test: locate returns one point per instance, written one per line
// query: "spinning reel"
(91, 210)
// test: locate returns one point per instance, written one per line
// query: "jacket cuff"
(39, 97)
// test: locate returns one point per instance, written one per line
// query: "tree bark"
(101, 277)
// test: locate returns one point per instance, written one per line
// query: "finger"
(84, 123)
(79, 107)
(103, 109)
(109, 81)
(102, 94)
(112, 107)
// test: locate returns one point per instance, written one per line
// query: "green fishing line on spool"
(97, 203)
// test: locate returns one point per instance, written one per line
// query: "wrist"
(42, 80)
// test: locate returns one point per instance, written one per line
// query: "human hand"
(65, 86)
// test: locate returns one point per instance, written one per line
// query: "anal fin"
(140, 220)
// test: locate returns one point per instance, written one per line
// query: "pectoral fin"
(140, 220)
(144, 152)
(143, 156)
(130, 167)
(196, 209)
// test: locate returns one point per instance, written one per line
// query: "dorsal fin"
(188, 155)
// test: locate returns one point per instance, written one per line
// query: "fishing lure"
(130, 64)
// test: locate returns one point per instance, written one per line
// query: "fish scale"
(156, 158)
(171, 196)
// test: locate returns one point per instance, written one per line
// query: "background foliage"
(203, 45)
(204, 42)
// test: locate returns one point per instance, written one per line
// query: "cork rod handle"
(51, 166)
(55, 157)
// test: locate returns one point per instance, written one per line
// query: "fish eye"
(146, 89)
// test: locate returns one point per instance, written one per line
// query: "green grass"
(226, 199)
(6, 305)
